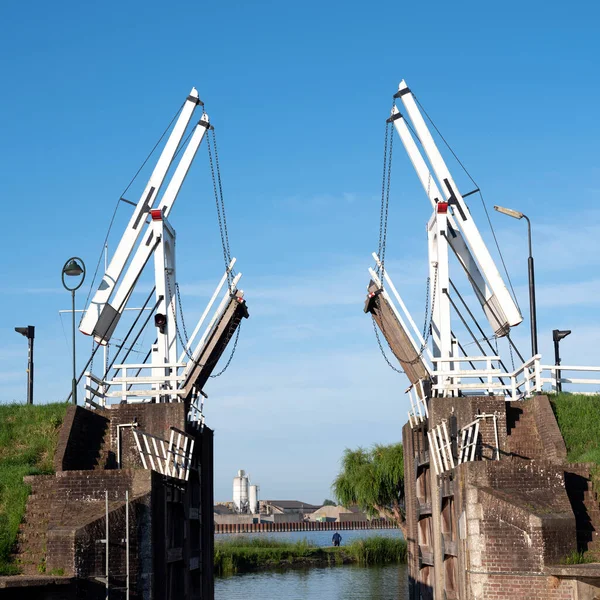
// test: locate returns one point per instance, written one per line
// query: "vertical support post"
(124, 384)
(165, 279)
(126, 544)
(439, 277)
(74, 382)
(538, 374)
(107, 539)
(557, 373)
(532, 311)
(30, 366)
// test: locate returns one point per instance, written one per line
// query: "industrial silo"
(240, 491)
(253, 499)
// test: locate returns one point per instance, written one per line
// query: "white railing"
(419, 411)
(173, 460)
(195, 414)
(132, 387)
(469, 436)
(555, 369)
(523, 382)
(166, 381)
(440, 448)
(440, 444)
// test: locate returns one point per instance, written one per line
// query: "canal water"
(348, 582)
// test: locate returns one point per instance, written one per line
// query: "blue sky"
(299, 93)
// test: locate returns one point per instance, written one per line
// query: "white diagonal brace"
(460, 209)
(136, 223)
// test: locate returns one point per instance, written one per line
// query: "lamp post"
(557, 335)
(29, 333)
(74, 267)
(532, 316)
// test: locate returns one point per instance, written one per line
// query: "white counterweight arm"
(460, 210)
(455, 238)
(112, 310)
(137, 221)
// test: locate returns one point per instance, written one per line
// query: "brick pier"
(171, 521)
(499, 529)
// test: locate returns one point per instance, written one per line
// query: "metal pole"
(532, 311)
(30, 373)
(74, 383)
(127, 543)
(557, 363)
(106, 502)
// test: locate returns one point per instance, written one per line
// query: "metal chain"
(220, 209)
(178, 293)
(385, 199)
(177, 330)
(426, 323)
(235, 343)
(387, 360)
(92, 359)
(512, 358)
(387, 204)
(184, 344)
(381, 211)
(221, 196)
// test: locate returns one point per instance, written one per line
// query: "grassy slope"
(28, 436)
(241, 554)
(578, 418)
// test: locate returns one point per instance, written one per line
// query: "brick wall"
(77, 517)
(155, 419)
(520, 585)
(515, 520)
(459, 412)
(534, 432)
(171, 521)
(80, 439)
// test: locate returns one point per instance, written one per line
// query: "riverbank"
(243, 555)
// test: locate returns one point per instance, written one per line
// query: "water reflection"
(333, 583)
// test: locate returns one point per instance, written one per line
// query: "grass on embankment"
(28, 436)
(578, 418)
(240, 555)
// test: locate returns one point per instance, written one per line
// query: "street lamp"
(557, 335)
(74, 267)
(29, 333)
(515, 214)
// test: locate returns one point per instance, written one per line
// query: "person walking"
(336, 539)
